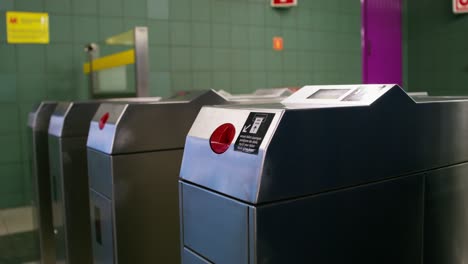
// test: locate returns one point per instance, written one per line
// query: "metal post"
(92, 49)
(141, 61)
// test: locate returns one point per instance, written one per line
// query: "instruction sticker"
(253, 132)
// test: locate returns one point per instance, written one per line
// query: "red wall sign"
(460, 6)
(284, 3)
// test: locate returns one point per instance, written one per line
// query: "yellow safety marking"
(111, 61)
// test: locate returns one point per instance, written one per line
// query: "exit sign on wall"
(460, 6)
(284, 3)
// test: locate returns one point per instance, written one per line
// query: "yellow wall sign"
(25, 27)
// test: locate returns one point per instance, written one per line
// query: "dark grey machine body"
(68, 132)
(381, 180)
(38, 123)
(134, 162)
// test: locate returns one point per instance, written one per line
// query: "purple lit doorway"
(381, 31)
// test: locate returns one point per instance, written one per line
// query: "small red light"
(222, 138)
(103, 120)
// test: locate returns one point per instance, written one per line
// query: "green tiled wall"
(221, 44)
(436, 48)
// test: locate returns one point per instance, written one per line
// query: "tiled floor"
(17, 237)
(17, 220)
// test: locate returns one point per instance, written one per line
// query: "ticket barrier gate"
(134, 161)
(333, 174)
(68, 133)
(38, 123)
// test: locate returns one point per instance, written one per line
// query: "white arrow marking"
(245, 128)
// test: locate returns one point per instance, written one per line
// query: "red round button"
(222, 138)
(103, 120)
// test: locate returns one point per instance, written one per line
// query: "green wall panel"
(11, 178)
(201, 10)
(110, 8)
(158, 32)
(32, 87)
(201, 34)
(10, 151)
(161, 56)
(8, 88)
(10, 119)
(163, 81)
(60, 27)
(57, 6)
(194, 44)
(85, 7)
(29, 5)
(2, 27)
(110, 26)
(201, 80)
(158, 9)
(180, 9)
(30, 58)
(134, 8)
(435, 48)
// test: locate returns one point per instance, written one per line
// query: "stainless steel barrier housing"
(134, 162)
(333, 174)
(68, 132)
(38, 123)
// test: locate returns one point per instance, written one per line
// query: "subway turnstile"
(38, 123)
(333, 174)
(68, 132)
(134, 156)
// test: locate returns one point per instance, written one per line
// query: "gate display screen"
(328, 94)
(363, 93)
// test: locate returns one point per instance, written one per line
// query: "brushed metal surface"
(134, 160)
(58, 201)
(102, 228)
(358, 224)
(446, 215)
(232, 173)
(70, 199)
(68, 132)
(39, 116)
(215, 227)
(38, 123)
(68, 129)
(142, 70)
(153, 126)
(147, 127)
(336, 182)
(308, 142)
(145, 207)
(71, 119)
(100, 173)
(189, 257)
